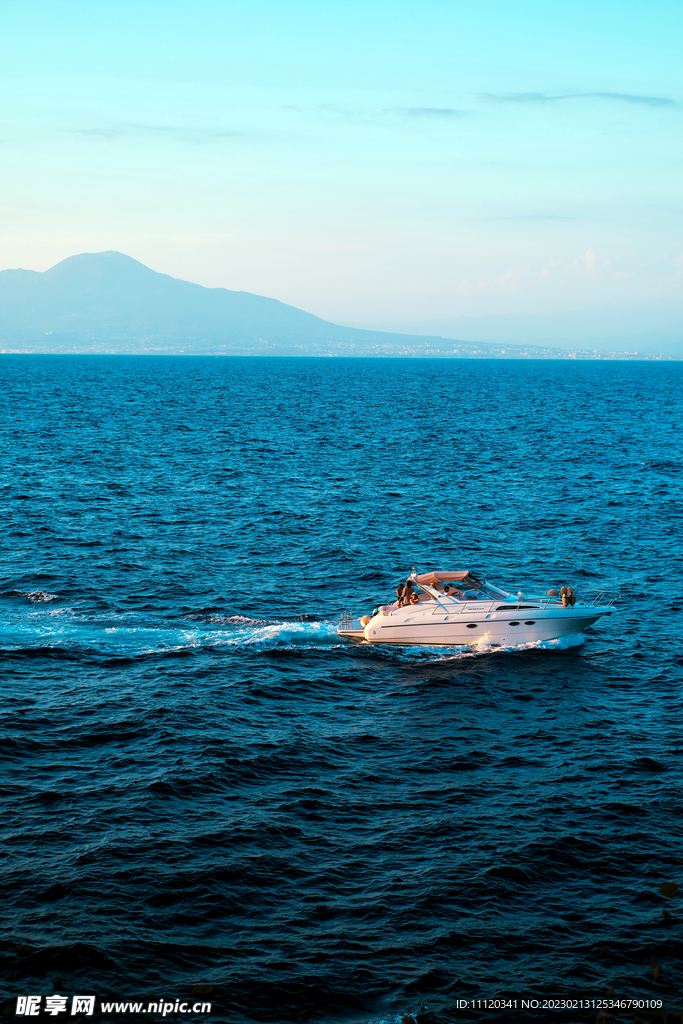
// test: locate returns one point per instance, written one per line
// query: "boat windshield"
(458, 584)
(470, 590)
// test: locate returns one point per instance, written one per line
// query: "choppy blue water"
(201, 786)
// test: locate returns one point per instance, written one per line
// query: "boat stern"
(352, 629)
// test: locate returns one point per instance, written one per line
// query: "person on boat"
(399, 594)
(409, 595)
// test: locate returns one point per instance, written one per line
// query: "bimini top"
(430, 578)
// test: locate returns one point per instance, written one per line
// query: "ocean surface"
(204, 792)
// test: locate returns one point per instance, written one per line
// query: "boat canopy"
(430, 578)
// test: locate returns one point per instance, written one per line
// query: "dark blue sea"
(205, 793)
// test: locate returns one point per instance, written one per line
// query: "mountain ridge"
(604, 328)
(110, 302)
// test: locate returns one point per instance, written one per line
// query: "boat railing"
(592, 598)
(460, 607)
(600, 597)
(346, 621)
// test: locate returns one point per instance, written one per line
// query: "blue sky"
(374, 161)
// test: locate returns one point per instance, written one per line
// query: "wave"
(443, 655)
(130, 635)
(35, 596)
(561, 643)
(133, 634)
(400, 1018)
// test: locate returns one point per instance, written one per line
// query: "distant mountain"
(637, 327)
(108, 302)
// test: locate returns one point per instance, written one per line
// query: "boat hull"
(505, 629)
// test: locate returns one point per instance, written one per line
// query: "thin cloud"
(331, 108)
(368, 116)
(542, 216)
(184, 133)
(99, 133)
(544, 97)
(626, 97)
(517, 97)
(435, 112)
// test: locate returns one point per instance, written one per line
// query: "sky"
(365, 161)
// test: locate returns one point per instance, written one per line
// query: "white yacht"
(457, 608)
